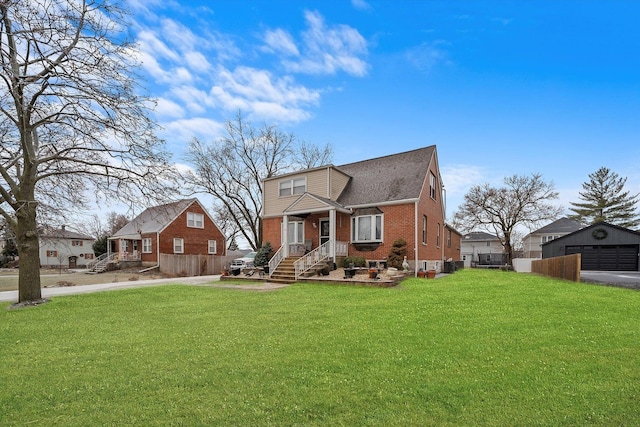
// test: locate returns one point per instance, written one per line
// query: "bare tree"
(115, 222)
(71, 118)
(522, 201)
(232, 169)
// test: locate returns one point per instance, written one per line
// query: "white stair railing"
(313, 258)
(275, 260)
(100, 263)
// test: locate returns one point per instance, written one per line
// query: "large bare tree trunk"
(29, 253)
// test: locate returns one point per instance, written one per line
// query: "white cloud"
(179, 132)
(195, 100)
(197, 61)
(258, 92)
(166, 109)
(328, 50)
(280, 41)
(427, 55)
(360, 5)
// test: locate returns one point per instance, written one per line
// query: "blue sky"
(502, 88)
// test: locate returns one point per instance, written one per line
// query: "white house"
(65, 248)
(532, 242)
(480, 248)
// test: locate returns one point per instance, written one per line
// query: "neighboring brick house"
(360, 209)
(65, 248)
(182, 227)
(481, 249)
(532, 243)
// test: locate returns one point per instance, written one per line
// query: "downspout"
(415, 239)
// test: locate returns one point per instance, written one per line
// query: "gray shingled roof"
(389, 178)
(64, 233)
(478, 236)
(154, 219)
(562, 225)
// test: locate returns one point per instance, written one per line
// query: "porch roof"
(309, 203)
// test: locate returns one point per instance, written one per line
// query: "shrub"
(263, 255)
(357, 261)
(397, 253)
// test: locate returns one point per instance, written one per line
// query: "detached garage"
(603, 246)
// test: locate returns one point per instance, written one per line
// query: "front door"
(324, 231)
(73, 262)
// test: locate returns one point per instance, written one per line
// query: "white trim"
(181, 245)
(215, 246)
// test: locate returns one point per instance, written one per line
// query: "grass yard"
(474, 348)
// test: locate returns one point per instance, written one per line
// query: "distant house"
(602, 246)
(481, 249)
(182, 227)
(532, 243)
(64, 248)
(360, 209)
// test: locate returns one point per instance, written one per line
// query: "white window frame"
(373, 237)
(292, 187)
(298, 233)
(213, 247)
(178, 245)
(147, 245)
(195, 220)
(432, 185)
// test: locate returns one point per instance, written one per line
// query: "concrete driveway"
(12, 296)
(625, 279)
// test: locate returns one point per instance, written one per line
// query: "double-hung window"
(292, 187)
(213, 247)
(432, 185)
(195, 220)
(366, 228)
(178, 245)
(146, 245)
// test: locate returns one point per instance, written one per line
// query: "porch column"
(332, 234)
(285, 236)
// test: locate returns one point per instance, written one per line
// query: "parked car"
(245, 262)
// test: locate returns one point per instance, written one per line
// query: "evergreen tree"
(100, 245)
(233, 245)
(263, 255)
(397, 253)
(604, 199)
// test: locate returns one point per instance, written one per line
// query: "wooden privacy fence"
(562, 267)
(193, 265)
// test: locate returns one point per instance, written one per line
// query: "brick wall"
(196, 240)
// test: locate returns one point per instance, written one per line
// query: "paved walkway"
(12, 296)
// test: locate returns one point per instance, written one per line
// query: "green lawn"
(474, 348)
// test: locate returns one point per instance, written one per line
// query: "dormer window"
(293, 187)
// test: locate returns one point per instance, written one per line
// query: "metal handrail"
(95, 261)
(316, 256)
(275, 260)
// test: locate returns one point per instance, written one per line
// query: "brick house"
(65, 248)
(360, 209)
(182, 227)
